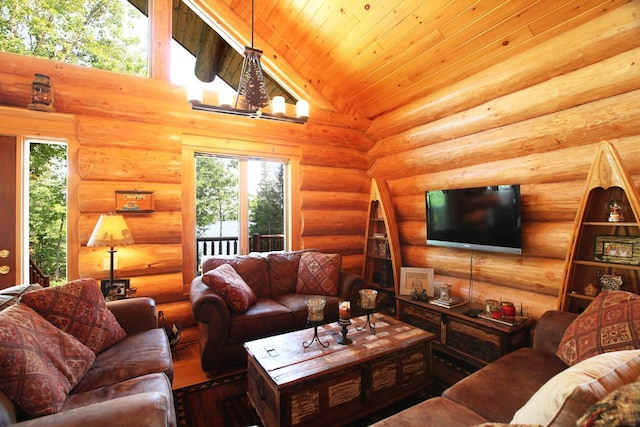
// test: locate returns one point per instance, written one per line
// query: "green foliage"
(94, 33)
(48, 208)
(267, 208)
(216, 191)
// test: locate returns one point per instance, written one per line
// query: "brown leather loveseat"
(278, 308)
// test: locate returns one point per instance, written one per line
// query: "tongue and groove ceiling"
(369, 57)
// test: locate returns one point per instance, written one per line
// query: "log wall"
(535, 120)
(131, 133)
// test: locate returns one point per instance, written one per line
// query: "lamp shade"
(111, 230)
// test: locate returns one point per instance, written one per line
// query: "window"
(240, 205)
(250, 158)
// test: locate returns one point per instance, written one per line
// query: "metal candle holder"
(342, 338)
(372, 326)
(315, 325)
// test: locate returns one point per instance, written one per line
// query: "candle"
(345, 310)
(368, 298)
(315, 309)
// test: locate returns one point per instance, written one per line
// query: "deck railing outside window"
(230, 245)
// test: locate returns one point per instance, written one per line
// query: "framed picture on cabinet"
(618, 249)
(416, 279)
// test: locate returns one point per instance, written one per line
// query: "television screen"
(482, 218)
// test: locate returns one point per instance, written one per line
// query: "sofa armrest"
(152, 409)
(550, 328)
(135, 314)
(206, 304)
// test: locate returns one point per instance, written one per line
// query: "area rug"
(224, 402)
(217, 402)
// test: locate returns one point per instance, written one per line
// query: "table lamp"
(111, 230)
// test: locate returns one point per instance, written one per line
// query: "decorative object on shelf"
(315, 316)
(416, 279)
(253, 94)
(508, 309)
(368, 303)
(111, 230)
(616, 211)
(41, 94)
(611, 282)
(134, 201)
(118, 289)
(618, 249)
(591, 290)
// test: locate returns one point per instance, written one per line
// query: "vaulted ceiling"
(369, 57)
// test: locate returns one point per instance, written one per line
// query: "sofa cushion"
(265, 317)
(140, 353)
(283, 272)
(565, 397)
(39, 363)
(610, 323)
(226, 281)
(318, 273)
(79, 309)
(508, 380)
(435, 412)
(253, 269)
(620, 408)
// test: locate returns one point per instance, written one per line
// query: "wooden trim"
(28, 124)
(188, 217)
(160, 12)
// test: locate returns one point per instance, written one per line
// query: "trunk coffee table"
(290, 384)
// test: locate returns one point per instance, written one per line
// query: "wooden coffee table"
(290, 385)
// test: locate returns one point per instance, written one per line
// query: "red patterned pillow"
(78, 308)
(39, 363)
(318, 273)
(226, 281)
(610, 323)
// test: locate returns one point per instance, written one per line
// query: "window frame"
(195, 144)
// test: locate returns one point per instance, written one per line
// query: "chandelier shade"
(252, 90)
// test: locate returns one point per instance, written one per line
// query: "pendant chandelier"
(253, 94)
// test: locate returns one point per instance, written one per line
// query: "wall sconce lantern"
(41, 94)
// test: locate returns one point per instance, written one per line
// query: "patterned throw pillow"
(39, 363)
(619, 408)
(78, 308)
(318, 273)
(226, 281)
(610, 323)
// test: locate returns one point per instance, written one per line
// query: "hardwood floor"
(186, 360)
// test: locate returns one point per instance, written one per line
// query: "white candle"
(302, 109)
(277, 105)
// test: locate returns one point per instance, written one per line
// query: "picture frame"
(134, 201)
(617, 249)
(117, 291)
(416, 279)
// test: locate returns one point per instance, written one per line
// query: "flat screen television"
(481, 218)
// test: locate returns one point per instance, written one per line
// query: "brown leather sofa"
(128, 381)
(272, 277)
(497, 391)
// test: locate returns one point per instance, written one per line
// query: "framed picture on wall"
(416, 279)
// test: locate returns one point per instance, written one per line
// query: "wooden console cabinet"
(463, 344)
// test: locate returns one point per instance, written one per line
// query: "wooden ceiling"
(369, 57)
